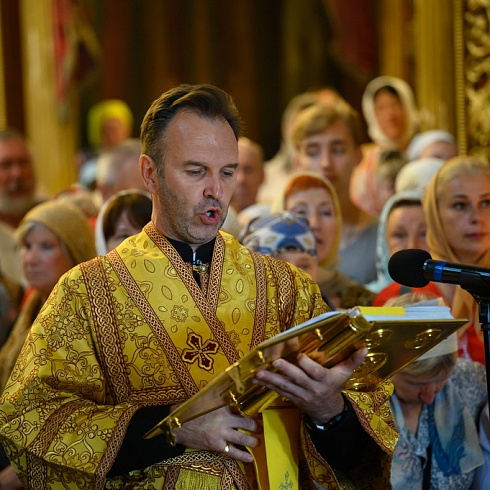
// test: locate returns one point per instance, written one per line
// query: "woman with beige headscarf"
(311, 195)
(53, 237)
(457, 210)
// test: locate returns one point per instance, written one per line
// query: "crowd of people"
(177, 253)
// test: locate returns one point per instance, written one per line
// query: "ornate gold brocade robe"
(133, 329)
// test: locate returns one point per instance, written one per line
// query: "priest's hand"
(9, 480)
(219, 431)
(314, 389)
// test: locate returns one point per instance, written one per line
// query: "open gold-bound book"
(394, 337)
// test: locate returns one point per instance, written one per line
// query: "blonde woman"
(457, 210)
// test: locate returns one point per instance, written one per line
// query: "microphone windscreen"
(407, 267)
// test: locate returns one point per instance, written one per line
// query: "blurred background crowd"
(346, 159)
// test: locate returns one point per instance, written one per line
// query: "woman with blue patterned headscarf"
(284, 236)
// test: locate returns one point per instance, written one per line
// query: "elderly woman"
(310, 195)
(53, 237)
(401, 226)
(457, 211)
(436, 406)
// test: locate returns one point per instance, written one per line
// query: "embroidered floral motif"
(200, 352)
(287, 483)
(179, 313)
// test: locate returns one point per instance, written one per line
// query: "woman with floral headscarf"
(285, 236)
(457, 210)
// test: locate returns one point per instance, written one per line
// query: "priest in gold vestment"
(124, 338)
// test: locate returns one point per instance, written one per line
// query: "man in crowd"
(327, 139)
(278, 169)
(17, 178)
(249, 174)
(118, 169)
(17, 197)
(126, 337)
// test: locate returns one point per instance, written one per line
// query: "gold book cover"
(394, 337)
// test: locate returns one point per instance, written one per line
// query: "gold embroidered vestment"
(134, 329)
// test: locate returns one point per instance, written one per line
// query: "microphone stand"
(484, 317)
(476, 285)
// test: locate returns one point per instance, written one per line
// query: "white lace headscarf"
(407, 100)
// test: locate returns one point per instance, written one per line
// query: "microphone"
(415, 268)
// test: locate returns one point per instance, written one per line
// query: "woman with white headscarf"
(432, 144)
(392, 118)
(388, 105)
(401, 226)
(122, 215)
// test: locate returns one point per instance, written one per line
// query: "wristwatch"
(331, 423)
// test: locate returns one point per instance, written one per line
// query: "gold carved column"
(53, 140)
(3, 111)
(434, 70)
(446, 58)
(395, 35)
(472, 48)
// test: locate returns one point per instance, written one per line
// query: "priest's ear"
(149, 174)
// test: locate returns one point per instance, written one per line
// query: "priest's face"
(193, 189)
